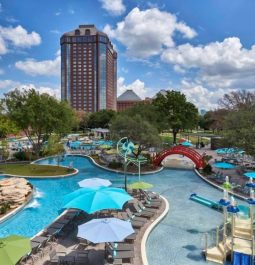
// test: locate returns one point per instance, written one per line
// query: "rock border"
(151, 228)
(17, 210)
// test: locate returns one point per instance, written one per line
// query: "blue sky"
(203, 48)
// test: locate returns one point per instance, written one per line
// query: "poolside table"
(122, 246)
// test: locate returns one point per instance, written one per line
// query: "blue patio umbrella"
(250, 174)
(105, 230)
(96, 199)
(94, 182)
(224, 165)
(187, 144)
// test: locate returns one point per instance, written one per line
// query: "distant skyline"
(202, 48)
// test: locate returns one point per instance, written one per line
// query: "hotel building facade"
(88, 70)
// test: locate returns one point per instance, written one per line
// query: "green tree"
(6, 126)
(149, 113)
(177, 111)
(82, 120)
(38, 115)
(101, 119)
(4, 150)
(135, 128)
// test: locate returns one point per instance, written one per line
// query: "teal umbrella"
(224, 165)
(94, 199)
(187, 144)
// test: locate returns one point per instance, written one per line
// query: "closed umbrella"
(140, 186)
(94, 182)
(105, 230)
(95, 199)
(13, 248)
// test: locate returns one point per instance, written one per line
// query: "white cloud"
(55, 31)
(55, 92)
(35, 68)
(71, 11)
(1, 71)
(147, 33)
(3, 46)
(201, 96)
(58, 13)
(7, 84)
(11, 20)
(114, 7)
(137, 86)
(19, 36)
(225, 64)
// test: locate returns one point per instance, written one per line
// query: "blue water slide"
(241, 259)
(204, 201)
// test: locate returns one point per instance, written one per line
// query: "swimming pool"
(176, 240)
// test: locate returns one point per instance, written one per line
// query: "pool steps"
(242, 242)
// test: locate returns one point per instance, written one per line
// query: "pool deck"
(96, 255)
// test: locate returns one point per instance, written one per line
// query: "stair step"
(242, 246)
(215, 253)
(214, 260)
(242, 234)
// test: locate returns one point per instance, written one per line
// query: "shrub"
(207, 158)
(4, 207)
(114, 164)
(207, 169)
(21, 155)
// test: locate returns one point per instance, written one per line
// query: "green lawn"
(34, 170)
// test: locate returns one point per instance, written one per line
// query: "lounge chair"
(153, 206)
(135, 218)
(120, 246)
(121, 255)
(135, 224)
(142, 213)
(151, 196)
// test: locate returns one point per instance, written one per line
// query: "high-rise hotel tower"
(88, 69)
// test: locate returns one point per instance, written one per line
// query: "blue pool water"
(177, 240)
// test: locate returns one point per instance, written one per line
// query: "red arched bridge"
(180, 150)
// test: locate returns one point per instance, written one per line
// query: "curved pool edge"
(150, 229)
(122, 172)
(17, 210)
(219, 187)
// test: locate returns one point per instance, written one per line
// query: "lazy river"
(177, 239)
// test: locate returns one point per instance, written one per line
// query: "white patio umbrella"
(94, 182)
(105, 230)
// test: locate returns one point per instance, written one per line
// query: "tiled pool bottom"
(178, 239)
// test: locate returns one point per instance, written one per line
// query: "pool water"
(177, 240)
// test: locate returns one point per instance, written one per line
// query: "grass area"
(34, 170)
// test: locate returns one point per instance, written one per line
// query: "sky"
(203, 48)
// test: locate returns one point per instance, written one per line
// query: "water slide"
(206, 202)
(241, 259)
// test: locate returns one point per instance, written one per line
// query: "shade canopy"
(105, 230)
(250, 174)
(224, 165)
(95, 199)
(140, 186)
(13, 248)
(186, 143)
(94, 182)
